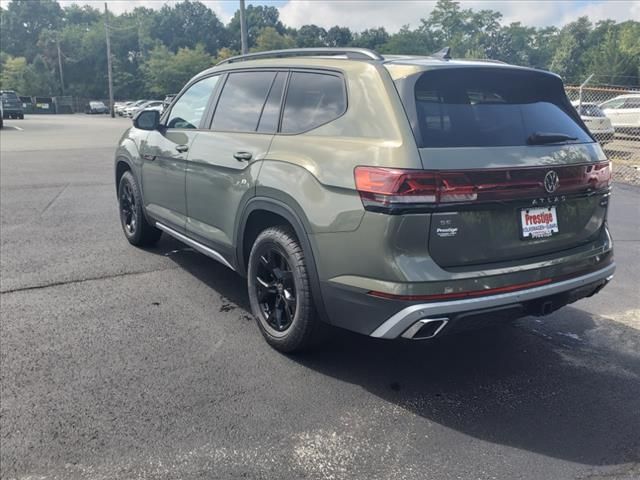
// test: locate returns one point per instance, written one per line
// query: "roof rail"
(351, 53)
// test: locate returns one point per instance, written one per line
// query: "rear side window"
(313, 99)
(490, 107)
(631, 103)
(241, 102)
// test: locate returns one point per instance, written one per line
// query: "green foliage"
(187, 24)
(13, 73)
(155, 51)
(258, 18)
(167, 72)
(270, 39)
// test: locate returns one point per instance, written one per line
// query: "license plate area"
(539, 222)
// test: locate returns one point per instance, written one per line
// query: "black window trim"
(202, 125)
(208, 126)
(321, 71)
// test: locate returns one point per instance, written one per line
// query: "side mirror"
(147, 120)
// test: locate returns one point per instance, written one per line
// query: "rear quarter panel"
(314, 170)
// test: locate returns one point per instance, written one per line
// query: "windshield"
(9, 96)
(492, 107)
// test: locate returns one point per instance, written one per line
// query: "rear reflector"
(457, 295)
(386, 188)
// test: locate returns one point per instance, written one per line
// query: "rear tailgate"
(490, 229)
(514, 170)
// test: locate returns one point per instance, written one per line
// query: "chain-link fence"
(613, 116)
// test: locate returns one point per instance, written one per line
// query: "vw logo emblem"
(551, 181)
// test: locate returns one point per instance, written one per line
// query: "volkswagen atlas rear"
(398, 197)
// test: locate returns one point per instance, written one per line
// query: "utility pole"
(243, 29)
(60, 63)
(106, 30)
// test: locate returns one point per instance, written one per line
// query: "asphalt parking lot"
(121, 363)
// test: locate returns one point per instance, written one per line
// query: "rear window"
(490, 107)
(9, 96)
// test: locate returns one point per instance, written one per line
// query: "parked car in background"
(398, 197)
(118, 106)
(624, 112)
(11, 105)
(129, 110)
(157, 105)
(168, 99)
(96, 107)
(596, 121)
(123, 107)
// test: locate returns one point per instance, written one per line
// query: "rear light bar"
(458, 295)
(388, 188)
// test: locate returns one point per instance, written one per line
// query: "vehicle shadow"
(559, 387)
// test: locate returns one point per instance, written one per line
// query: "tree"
(372, 38)
(38, 79)
(188, 24)
(311, 36)
(166, 72)
(409, 42)
(257, 18)
(338, 37)
(574, 41)
(12, 73)
(270, 39)
(22, 22)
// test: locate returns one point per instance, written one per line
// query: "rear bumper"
(537, 300)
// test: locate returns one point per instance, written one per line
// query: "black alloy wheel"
(128, 210)
(276, 290)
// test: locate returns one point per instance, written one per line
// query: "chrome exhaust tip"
(425, 328)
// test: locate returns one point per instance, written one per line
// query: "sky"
(362, 14)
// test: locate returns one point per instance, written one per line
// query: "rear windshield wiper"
(541, 138)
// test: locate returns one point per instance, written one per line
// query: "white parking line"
(13, 127)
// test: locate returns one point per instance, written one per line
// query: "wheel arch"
(122, 165)
(275, 209)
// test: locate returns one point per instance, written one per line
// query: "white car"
(152, 105)
(131, 109)
(624, 112)
(596, 121)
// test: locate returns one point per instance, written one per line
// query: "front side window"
(188, 110)
(241, 101)
(463, 108)
(313, 99)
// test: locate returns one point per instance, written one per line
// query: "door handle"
(149, 157)
(242, 156)
(182, 148)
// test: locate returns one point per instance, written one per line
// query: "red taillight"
(389, 188)
(386, 186)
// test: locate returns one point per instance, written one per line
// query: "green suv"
(394, 196)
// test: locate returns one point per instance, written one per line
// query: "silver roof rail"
(351, 53)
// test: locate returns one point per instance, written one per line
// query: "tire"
(276, 286)
(132, 219)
